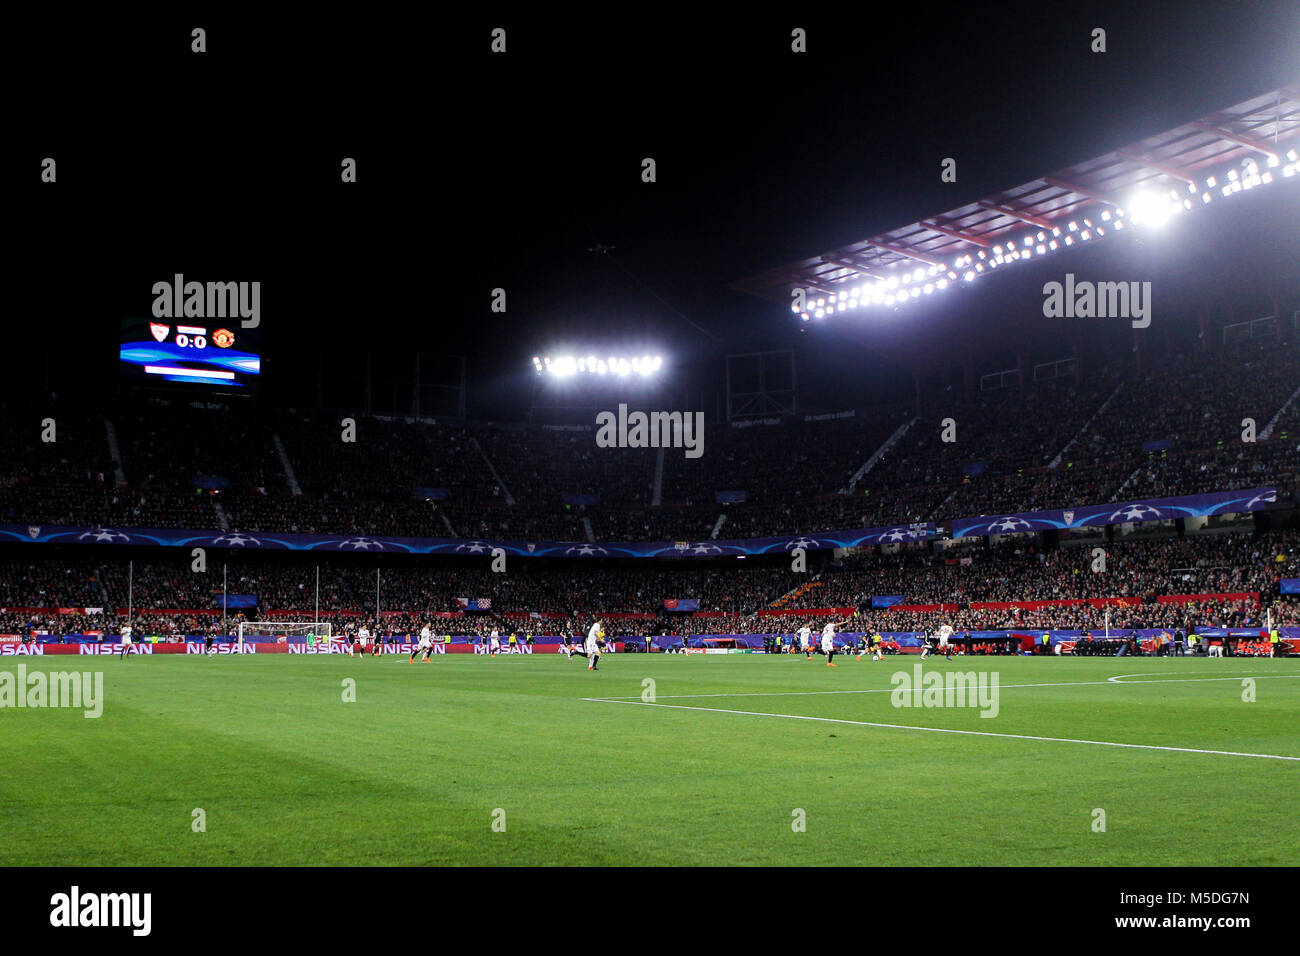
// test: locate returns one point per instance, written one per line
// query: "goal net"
(308, 631)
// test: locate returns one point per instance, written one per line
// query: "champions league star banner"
(1091, 516)
(1291, 585)
(258, 541)
(1155, 509)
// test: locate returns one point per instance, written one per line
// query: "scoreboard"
(190, 352)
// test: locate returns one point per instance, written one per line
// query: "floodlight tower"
(571, 387)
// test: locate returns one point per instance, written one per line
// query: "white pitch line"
(1117, 679)
(944, 730)
(890, 690)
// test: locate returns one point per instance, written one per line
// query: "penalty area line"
(945, 730)
(1119, 678)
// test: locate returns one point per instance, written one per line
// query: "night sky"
(478, 171)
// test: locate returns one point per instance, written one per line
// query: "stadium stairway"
(1127, 481)
(879, 453)
(1086, 425)
(289, 476)
(943, 504)
(1267, 433)
(657, 492)
(104, 599)
(492, 469)
(114, 452)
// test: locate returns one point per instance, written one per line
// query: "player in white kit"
(363, 638)
(938, 642)
(126, 640)
(945, 632)
(494, 645)
(805, 641)
(591, 646)
(828, 642)
(426, 644)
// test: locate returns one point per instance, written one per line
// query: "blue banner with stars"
(1155, 509)
(484, 547)
(1092, 516)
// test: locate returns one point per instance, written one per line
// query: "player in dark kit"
(871, 646)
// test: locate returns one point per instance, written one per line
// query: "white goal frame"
(322, 630)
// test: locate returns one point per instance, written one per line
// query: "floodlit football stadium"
(783, 472)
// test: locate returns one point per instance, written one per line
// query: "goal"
(274, 630)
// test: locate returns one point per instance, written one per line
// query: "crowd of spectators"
(1017, 570)
(68, 595)
(1115, 434)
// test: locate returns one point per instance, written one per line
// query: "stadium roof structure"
(1209, 159)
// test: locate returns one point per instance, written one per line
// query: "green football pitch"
(743, 759)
